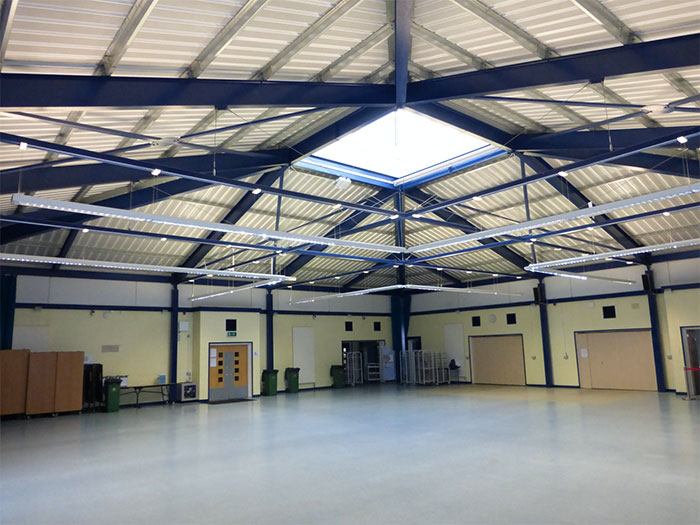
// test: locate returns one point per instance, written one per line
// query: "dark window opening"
(231, 325)
(377, 326)
(221, 380)
(476, 320)
(348, 326)
(609, 312)
(510, 319)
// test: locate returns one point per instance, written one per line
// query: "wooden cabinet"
(69, 382)
(14, 365)
(41, 383)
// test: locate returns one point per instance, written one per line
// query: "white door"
(304, 353)
(454, 345)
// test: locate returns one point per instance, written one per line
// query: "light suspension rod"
(583, 213)
(14, 257)
(103, 211)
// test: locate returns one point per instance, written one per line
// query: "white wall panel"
(676, 272)
(32, 289)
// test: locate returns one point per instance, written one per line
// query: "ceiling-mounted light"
(85, 230)
(22, 145)
(342, 183)
(156, 172)
(163, 238)
(416, 215)
(102, 211)
(682, 139)
(236, 289)
(396, 266)
(256, 191)
(582, 277)
(394, 216)
(563, 174)
(563, 217)
(615, 254)
(476, 198)
(666, 214)
(337, 206)
(13, 257)
(366, 271)
(420, 287)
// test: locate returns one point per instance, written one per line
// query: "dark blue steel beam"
(505, 252)
(50, 178)
(578, 199)
(597, 140)
(32, 90)
(460, 120)
(232, 217)
(676, 166)
(593, 67)
(402, 47)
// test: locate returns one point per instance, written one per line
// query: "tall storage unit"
(41, 383)
(69, 382)
(14, 365)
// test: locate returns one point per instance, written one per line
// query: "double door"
(229, 372)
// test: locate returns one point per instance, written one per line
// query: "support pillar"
(541, 300)
(174, 323)
(648, 281)
(270, 347)
(400, 316)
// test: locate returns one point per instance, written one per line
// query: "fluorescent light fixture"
(85, 230)
(102, 211)
(666, 214)
(682, 139)
(416, 215)
(582, 277)
(425, 288)
(22, 145)
(394, 217)
(156, 172)
(616, 254)
(563, 217)
(163, 239)
(337, 206)
(257, 191)
(13, 257)
(236, 289)
(563, 174)
(476, 198)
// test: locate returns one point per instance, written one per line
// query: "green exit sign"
(230, 334)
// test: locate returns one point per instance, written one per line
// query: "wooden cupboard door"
(41, 383)
(69, 381)
(14, 366)
(497, 360)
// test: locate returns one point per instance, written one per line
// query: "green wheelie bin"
(112, 393)
(338, 375)
(269, 382)
(291, 376)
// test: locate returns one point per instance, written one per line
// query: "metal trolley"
(423, 367)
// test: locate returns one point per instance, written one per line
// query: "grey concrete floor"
(453, 454)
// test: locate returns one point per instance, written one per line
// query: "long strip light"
(593, 211)
(235, 290)
(537, 267)
(103, 211)
(582, 277)
(14, 257)
(425, 288)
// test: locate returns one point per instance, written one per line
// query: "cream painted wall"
(430, 329)
(329, 332)
(210, 327)
(577, 316)
(143, 338)
(677, 308)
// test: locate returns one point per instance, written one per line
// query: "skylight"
(402, 143)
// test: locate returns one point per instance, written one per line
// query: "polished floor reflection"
(453, 454)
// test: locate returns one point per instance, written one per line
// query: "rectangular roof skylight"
(401, 143)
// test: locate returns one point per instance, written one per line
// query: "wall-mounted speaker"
(648, 282)
(537, 295)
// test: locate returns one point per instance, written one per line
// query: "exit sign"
(231, 334)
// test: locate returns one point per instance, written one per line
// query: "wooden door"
(229, 371)
(497, 360)
(617, 360)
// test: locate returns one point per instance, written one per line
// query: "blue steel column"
(8, 295)
(174, 310)
(544, 326)
(270, 362)
(655, 332)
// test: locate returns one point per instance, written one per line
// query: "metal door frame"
(250, 361)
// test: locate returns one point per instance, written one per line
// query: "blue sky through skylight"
(401, 143)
